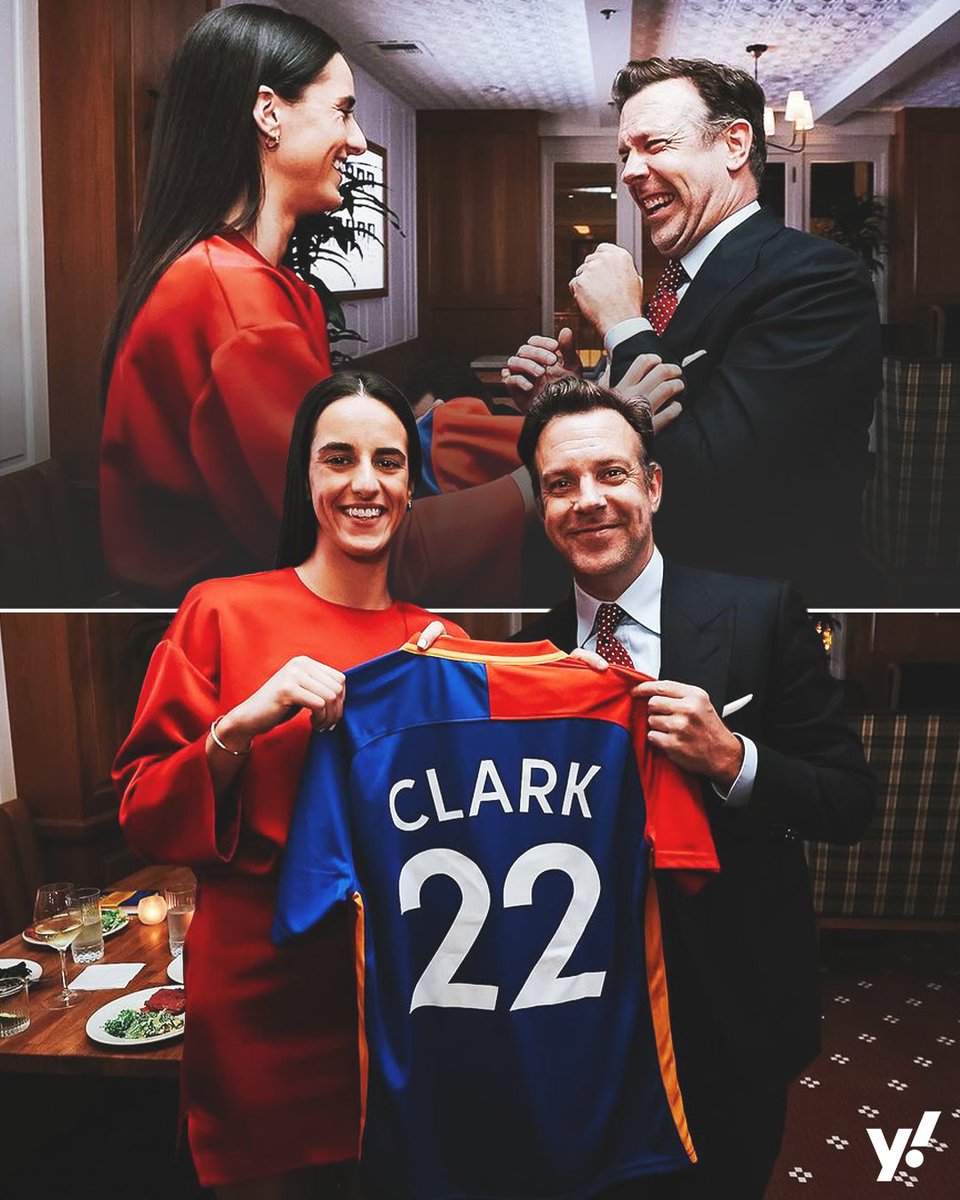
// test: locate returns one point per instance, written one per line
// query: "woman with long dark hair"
(209, 774)
(214, 344)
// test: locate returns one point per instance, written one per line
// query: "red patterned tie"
(663, 303)
(609, 617)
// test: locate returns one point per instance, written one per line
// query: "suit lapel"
(696, 632)
(562, 630)
(725, 267)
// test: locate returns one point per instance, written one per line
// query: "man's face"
(682, 178)
(598, 503)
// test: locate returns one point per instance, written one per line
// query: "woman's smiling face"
(318, 133)
(359, 476)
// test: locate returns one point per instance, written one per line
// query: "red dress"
(197, 425)
(270, 1068)
(197, 428)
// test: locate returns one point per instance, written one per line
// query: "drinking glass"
(180, 905)
(88, 944)
(57, 921)
(14, 1007)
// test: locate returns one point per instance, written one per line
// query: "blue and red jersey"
(493, 812)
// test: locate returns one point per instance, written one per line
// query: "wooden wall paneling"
(99, 62)
(83, 49)
(156, 31)
(488, 626)
(478, 231)
(901, 205)
(875, 640)
(71, 683)
(925, 234)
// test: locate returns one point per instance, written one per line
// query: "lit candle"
(152, 910)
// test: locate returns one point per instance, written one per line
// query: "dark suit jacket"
(765, 468)
(741, 956)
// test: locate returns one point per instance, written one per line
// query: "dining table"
(56, 1041)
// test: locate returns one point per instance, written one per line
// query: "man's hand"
(650, 378)
(538, 362)
(607, 287)
(685, 726)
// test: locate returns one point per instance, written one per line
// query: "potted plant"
(861, 225)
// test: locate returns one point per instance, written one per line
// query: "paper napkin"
(106, 975)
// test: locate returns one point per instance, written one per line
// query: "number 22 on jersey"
(544, 985)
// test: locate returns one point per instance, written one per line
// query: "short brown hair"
(573, 395)
(728, 93)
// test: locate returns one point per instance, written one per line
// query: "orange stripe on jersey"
(360, 966)
(523, 654)
(660, 1011)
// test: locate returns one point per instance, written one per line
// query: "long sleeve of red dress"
(170, 813)
(198, 417)
(197, 430)
(270, 1077)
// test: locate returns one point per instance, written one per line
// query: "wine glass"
(57, 920)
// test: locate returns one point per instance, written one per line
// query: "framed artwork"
(363, 274)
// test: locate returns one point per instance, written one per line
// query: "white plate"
(34, 970)
(28, 936)
(134, 1000)
(174, 969)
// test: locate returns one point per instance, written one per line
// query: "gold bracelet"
(213, 733)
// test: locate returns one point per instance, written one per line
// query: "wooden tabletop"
(56, 1042)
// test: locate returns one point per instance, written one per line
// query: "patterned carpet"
(891, 1052)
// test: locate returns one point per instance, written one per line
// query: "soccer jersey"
(493, 811)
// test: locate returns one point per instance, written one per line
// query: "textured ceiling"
(478, 53)
(813, 43)
(536, 53)
(938, 86)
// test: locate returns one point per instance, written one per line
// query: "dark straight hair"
(298, 525)
(205, 152)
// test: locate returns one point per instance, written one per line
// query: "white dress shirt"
(692, 261)
(639, 633)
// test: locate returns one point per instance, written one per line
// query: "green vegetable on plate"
(130, 1024)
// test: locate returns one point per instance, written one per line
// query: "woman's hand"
(300, 683)
(426, 639)
(590, 658)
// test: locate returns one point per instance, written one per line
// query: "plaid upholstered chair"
(912, 505)
(906, 869)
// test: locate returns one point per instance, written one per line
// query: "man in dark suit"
(741, 956)
(766, 456)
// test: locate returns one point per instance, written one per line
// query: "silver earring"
(273, 138)
(409, 505)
